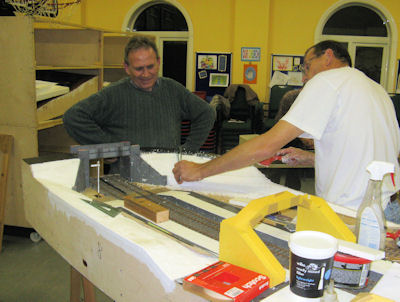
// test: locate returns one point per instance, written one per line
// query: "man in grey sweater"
(143, 108)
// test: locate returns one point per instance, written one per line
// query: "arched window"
(160, 17)
(364, 29)
(170, 27)
(355, 21)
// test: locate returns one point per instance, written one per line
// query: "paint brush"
(179, 154)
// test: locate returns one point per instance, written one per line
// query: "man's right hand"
(296, 157)
(187, 171)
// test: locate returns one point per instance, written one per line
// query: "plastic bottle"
(370, 227)
(330, 294)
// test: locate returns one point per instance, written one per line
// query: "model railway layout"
(196, 218)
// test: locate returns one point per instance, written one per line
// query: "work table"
(122, 257)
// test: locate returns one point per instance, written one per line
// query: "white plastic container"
(311, 260)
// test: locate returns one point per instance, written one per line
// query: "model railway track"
(179, 211)
(185, 214)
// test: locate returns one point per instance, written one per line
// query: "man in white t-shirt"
(351, 119)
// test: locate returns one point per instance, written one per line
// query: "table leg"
(75, 291)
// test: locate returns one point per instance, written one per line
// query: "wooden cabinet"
(33, 47)
(17, 97)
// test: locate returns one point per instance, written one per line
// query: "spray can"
(370, 227)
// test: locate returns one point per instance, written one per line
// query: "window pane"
(355, 21)
(160, 17)
(174, 60)
(369, 61)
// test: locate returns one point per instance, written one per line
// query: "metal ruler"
(105, 208)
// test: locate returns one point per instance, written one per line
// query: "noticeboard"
(213, 72)
(285, 70)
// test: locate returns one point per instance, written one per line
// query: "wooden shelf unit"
(29, 45)
(113, 59)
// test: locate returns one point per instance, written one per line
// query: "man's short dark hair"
(137, 42)
(338, 49)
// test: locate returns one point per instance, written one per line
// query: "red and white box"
(222, 281)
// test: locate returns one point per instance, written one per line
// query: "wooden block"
(146, 208)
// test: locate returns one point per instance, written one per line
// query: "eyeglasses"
(306, 65)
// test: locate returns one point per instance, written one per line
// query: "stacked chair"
(244, 118)
(277, 92)
(210, 145)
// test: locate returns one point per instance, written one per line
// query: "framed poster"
(283, 63)
(219, 80)
(250, 74)
(207, 62)
(202, 74)
(222, 61)
(251, 53)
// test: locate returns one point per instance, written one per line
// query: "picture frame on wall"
(207, 62)
(250, 74)
(222, 62)
(282, 63)
(219, 80)
(202, 74)
(251, 54)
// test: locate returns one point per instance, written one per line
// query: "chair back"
(240, 109)
(277, 92)
(396, 103)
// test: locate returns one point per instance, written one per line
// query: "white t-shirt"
(352, 121)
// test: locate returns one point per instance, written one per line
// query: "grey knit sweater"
(122, 112)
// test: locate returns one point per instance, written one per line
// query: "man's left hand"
(296, 157)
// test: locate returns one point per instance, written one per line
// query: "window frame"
(388, 73)
(363, 41)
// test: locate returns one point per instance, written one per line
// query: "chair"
(210, 145)
(277, 92)
(396, 103)
(242, 120)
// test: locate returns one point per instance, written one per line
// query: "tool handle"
(268, 161)
(393, 235)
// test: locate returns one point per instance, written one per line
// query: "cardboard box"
(223, 281)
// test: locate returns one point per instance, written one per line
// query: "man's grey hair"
(340, 52)
(138, 42)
